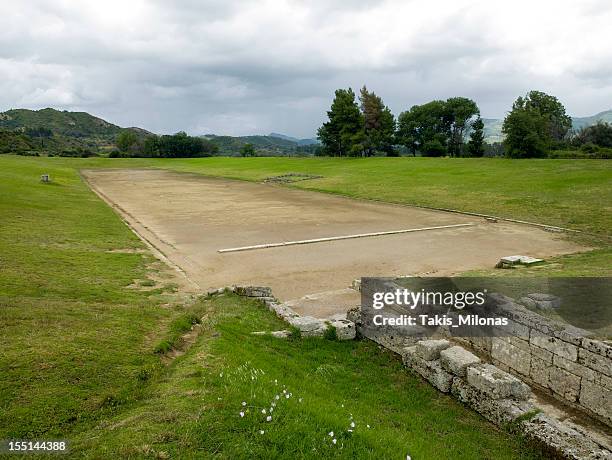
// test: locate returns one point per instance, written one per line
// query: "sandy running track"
(189, 218)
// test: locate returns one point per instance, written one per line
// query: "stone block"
(564, 383)
(431, 371)
(308, 326)
(554, 345)
(541, 354)
(598, 347)
(496, 383)
(595, 361)
(345, 329)
(254, 291)
(430, 349)
(498, 411)
(457, 359)
(561, 440)
(517, 359)
(597, 399)
(576, 369)
(539, 372)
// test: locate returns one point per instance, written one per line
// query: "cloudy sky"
(245, 67)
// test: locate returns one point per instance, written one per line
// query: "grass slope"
(74, 339)
(193, 410)
(78, 357)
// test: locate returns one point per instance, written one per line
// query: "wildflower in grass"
(284, 392)
(287, 396)
(263, 411)
(350, 431)
(269, 418)
(300, 400)
(221, 374)
(241, 414)
(244, 403)
(271, 409)
(368, 426)
(331, 434)
(352, 424)
(276, 397)
(273, 404)
(408, 457)
(334, 441)
(275, 382)
(261, 431)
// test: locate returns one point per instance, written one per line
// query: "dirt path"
(188, 218)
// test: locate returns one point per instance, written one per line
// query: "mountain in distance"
(308, 141)
(264, 145)
(493, 126)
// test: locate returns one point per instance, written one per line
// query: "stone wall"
(559, 359)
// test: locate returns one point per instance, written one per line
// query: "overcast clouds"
(248, 67)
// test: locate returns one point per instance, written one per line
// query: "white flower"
(368, 426)
(331, 434)
(261, 431)
(263, 411)
(350, 431)
(300, 400)
(342, 405)
(244, 403)
(286, 396)
(221, 374)
(252, 378)
(284, 391)
(275, 382)
(352, 424)
(273, 404)
(408, 457)
(269, 418)
(334, 441)
(276, 397)
(241, 414)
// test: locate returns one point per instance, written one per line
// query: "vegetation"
(343, 134)
(536, 124)
(78, 355)
(178, 145)
(247, 150)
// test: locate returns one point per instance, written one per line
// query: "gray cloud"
(248, 67)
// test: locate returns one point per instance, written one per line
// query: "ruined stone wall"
(560, 359)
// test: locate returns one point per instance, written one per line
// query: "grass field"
(78, 354)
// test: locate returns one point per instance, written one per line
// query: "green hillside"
(583, 122)
(264, 145)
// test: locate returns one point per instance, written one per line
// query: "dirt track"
(189, 218)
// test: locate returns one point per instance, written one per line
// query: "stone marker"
(496, 383)
(457, 359)
(430, 349)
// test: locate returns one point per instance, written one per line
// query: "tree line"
(179, 145)
(536, 124)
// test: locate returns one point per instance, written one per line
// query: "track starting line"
(342, 237)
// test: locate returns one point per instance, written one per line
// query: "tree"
(536, 123)
(599, 134)
(460, 111)
(247, 150)
(343, 134)
(425, 128)
(475, 146)
(379, 123)
(128, 141)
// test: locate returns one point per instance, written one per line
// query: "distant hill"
(273, 145)
(493, 126)
(63, 132)
(309, 141)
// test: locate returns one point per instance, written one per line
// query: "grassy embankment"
(78, 357)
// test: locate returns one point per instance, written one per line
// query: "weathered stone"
(457, 359)
(283, 311)
(430, 370)
(598, 347)
(576, 369)
(595, 361)
(356, 284)
(345, 329)
(564, 441)
(517, 359)
(597, 399)
(496, 383)
(254, 291)
(498, 411)
(554, 345)
(308, 326)
(564, 383)
(354, 315)
(281, 334)
(539, 372)
(430, 349)
(541, 354)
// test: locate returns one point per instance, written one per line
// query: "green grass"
(78, 345)
(74, 337)
(78, 362)
(193, 409)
